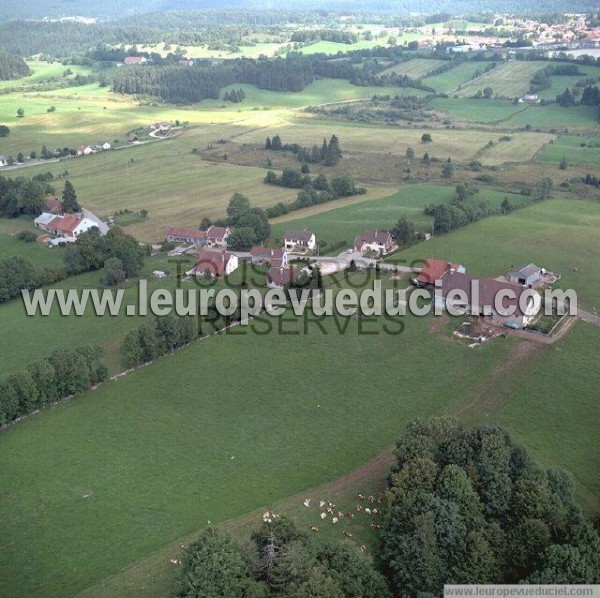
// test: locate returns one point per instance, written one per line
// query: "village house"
(135, 60)
(280, 277)
(378, 241)
(267, 255)
(186, 235)
(216, 236)
(85, 150)
(527, 274)
(299, 239)
(433, 270)
(70, 226)
(215, 263)
(3, 160)
(103, 145)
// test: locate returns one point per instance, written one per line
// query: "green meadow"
(346, 222)
(570, 147)
(455, 77)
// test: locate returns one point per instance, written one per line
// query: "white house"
(85, 150)
(299, 239)
(267, 255)
(214, 262)
(378, 241)
(3, 160)
(70, 225)
(216, 236)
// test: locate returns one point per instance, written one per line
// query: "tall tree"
(69, 197)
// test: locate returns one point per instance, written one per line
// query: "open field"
(42, 72)
(377, 139)
(559, 235)
(483, 111)
(459, 75)
(345, 223)
(510, 79)
(120, 472)
(569, 146)
(91, 113)
(417, 68)
(580, 118)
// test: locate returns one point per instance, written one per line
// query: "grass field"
(510, 79)
(559, 235)
(569, 146)
(118, 473)
(459, 75)
(375, 139)
(484, 111)
(417, 68)
(345, 223)
(580, 118)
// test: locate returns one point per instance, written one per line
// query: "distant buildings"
(214, 236)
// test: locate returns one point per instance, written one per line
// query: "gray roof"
(298, 235)
(526, 270)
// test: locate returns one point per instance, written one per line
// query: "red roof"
(259, 251)
(65, 224)
(133, 59)
(217, 232)
(433, 271)
(190, 233)
(280, 276)
(213, 261)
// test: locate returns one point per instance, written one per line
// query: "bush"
(27, 236)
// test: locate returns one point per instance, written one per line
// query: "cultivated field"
(510, 79)
(459, 75)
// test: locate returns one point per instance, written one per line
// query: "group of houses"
(66, 227)
(86, 150)
(457, 289)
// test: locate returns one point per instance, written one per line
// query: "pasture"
(116, 474)
(482, 110)
(462, 146)
(553, 116)
(570, 147)
(559, 235)
(455, 77)
(346, 222)
(510, 79)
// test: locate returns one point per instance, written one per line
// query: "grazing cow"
(314, 528)
(348, 534)
(375, 526)
(334, 520)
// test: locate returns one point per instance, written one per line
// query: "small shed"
(159, 274)
(527, 274)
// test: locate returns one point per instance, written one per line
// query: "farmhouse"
(214, 262)
(136, 60)
(103, 145)
(433, 271)
(85, 150)
(186, 235)
(280, 277)
(299, 239)
(70, 226)
(267, 255)
(216, 236)
(380, 241)
(527, 274)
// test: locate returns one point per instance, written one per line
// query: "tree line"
(328, 154)
(64, 373)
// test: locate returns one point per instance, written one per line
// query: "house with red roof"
(214, 262)
(375, 240)
(135, 60)
(70, 226)
(433, 271)
(186, 235)
(280, 277)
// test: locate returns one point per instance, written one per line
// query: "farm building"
(70, 225)
(433, 271)
(380, 241)
(135, 60)
(186, 235)
(54, 205)
(527, 274)
(214, 262)
(299, 239)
